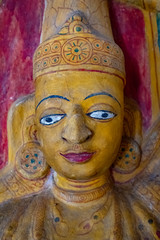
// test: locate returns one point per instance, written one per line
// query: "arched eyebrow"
(52, 96)
(103, 93)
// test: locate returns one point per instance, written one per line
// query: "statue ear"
(129, 156)
(20, 124)
(132, 126)
(25, 152)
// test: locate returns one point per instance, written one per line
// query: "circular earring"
(129, 156)
(30, 161)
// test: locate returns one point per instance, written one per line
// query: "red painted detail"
(158, 234)
(86, 70)
(77, 157)
(87, 226)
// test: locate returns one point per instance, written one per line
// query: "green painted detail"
(78, 29)
(158, 28)
(76, 50)
(57, 219)
(150, 221)
(32, 160)
(62, 33)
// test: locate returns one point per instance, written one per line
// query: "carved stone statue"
(79, 168)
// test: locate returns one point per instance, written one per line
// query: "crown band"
(78, 53)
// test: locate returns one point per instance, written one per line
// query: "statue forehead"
(78, 79)
(78, 86)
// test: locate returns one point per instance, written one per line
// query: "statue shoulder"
(18, 216)
(13, 185)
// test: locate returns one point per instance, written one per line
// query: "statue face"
(79, 116)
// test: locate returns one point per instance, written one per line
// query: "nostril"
(89, 137)
(64, 139)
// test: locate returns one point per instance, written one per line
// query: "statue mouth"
(78, 157)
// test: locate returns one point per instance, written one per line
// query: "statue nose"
(76, 131)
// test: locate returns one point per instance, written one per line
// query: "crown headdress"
(76, 47)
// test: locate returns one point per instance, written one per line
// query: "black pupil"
(48, 119)
(104, 115)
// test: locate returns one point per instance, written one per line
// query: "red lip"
(78, 157)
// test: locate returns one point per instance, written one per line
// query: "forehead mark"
(103, 93)
(52, 96)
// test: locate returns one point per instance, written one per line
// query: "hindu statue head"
(79, 100)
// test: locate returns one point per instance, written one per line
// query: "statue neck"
(76, 191)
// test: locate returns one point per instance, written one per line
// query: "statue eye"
(101, 114)
(51, 119)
